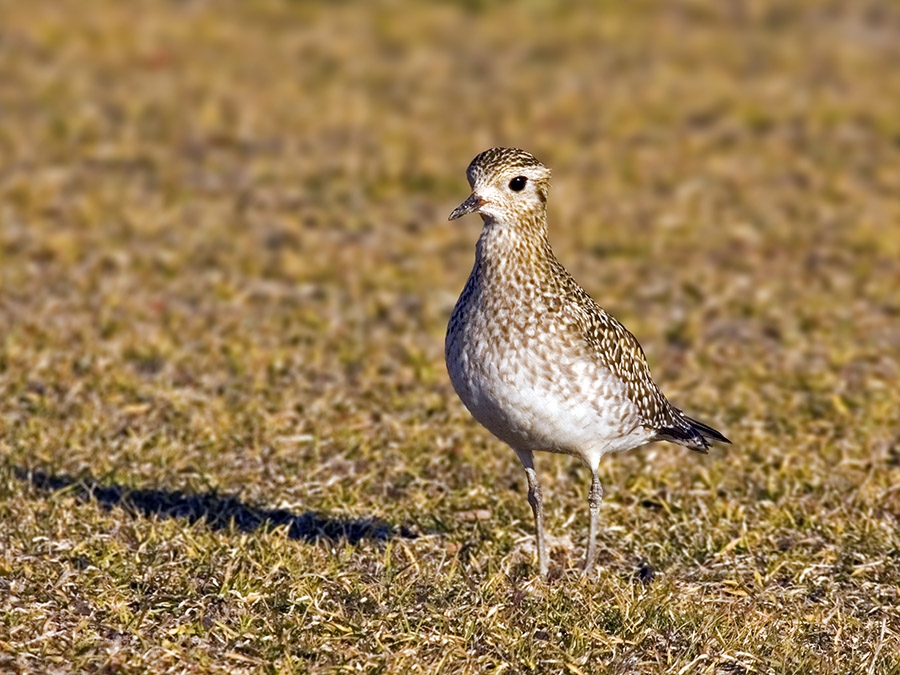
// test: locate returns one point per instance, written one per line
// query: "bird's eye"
(517, 183)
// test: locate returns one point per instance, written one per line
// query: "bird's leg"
(536, 499)
(594, 498)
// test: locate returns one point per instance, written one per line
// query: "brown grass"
(227, 439)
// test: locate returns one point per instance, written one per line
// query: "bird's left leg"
(594, 498)
(536, 499)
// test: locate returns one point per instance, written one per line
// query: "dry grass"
(228, 441)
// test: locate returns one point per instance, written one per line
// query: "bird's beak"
(471, 205)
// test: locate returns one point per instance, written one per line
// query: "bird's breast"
(523, 372)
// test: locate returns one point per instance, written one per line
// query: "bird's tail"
(690, 433)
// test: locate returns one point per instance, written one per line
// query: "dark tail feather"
(706, 431)
(693, 434)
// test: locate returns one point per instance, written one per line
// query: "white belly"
(535, 397)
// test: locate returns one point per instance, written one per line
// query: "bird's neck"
(511, 248)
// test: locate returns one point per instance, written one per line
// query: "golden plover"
(534, 358)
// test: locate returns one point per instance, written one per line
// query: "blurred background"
(225, 265)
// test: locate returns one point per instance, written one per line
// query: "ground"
(228, 442)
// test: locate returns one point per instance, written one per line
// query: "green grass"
(227, 439)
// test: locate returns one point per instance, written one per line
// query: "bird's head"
(508, 185)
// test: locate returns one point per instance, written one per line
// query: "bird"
(534, 358)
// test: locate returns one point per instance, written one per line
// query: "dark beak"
(472, 204)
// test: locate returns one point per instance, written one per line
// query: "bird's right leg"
(536, 499)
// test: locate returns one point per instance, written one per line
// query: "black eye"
(517, 183)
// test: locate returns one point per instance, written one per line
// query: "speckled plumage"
(533, 357)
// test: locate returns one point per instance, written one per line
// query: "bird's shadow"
(217, 511)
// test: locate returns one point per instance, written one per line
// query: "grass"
(227, 439)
